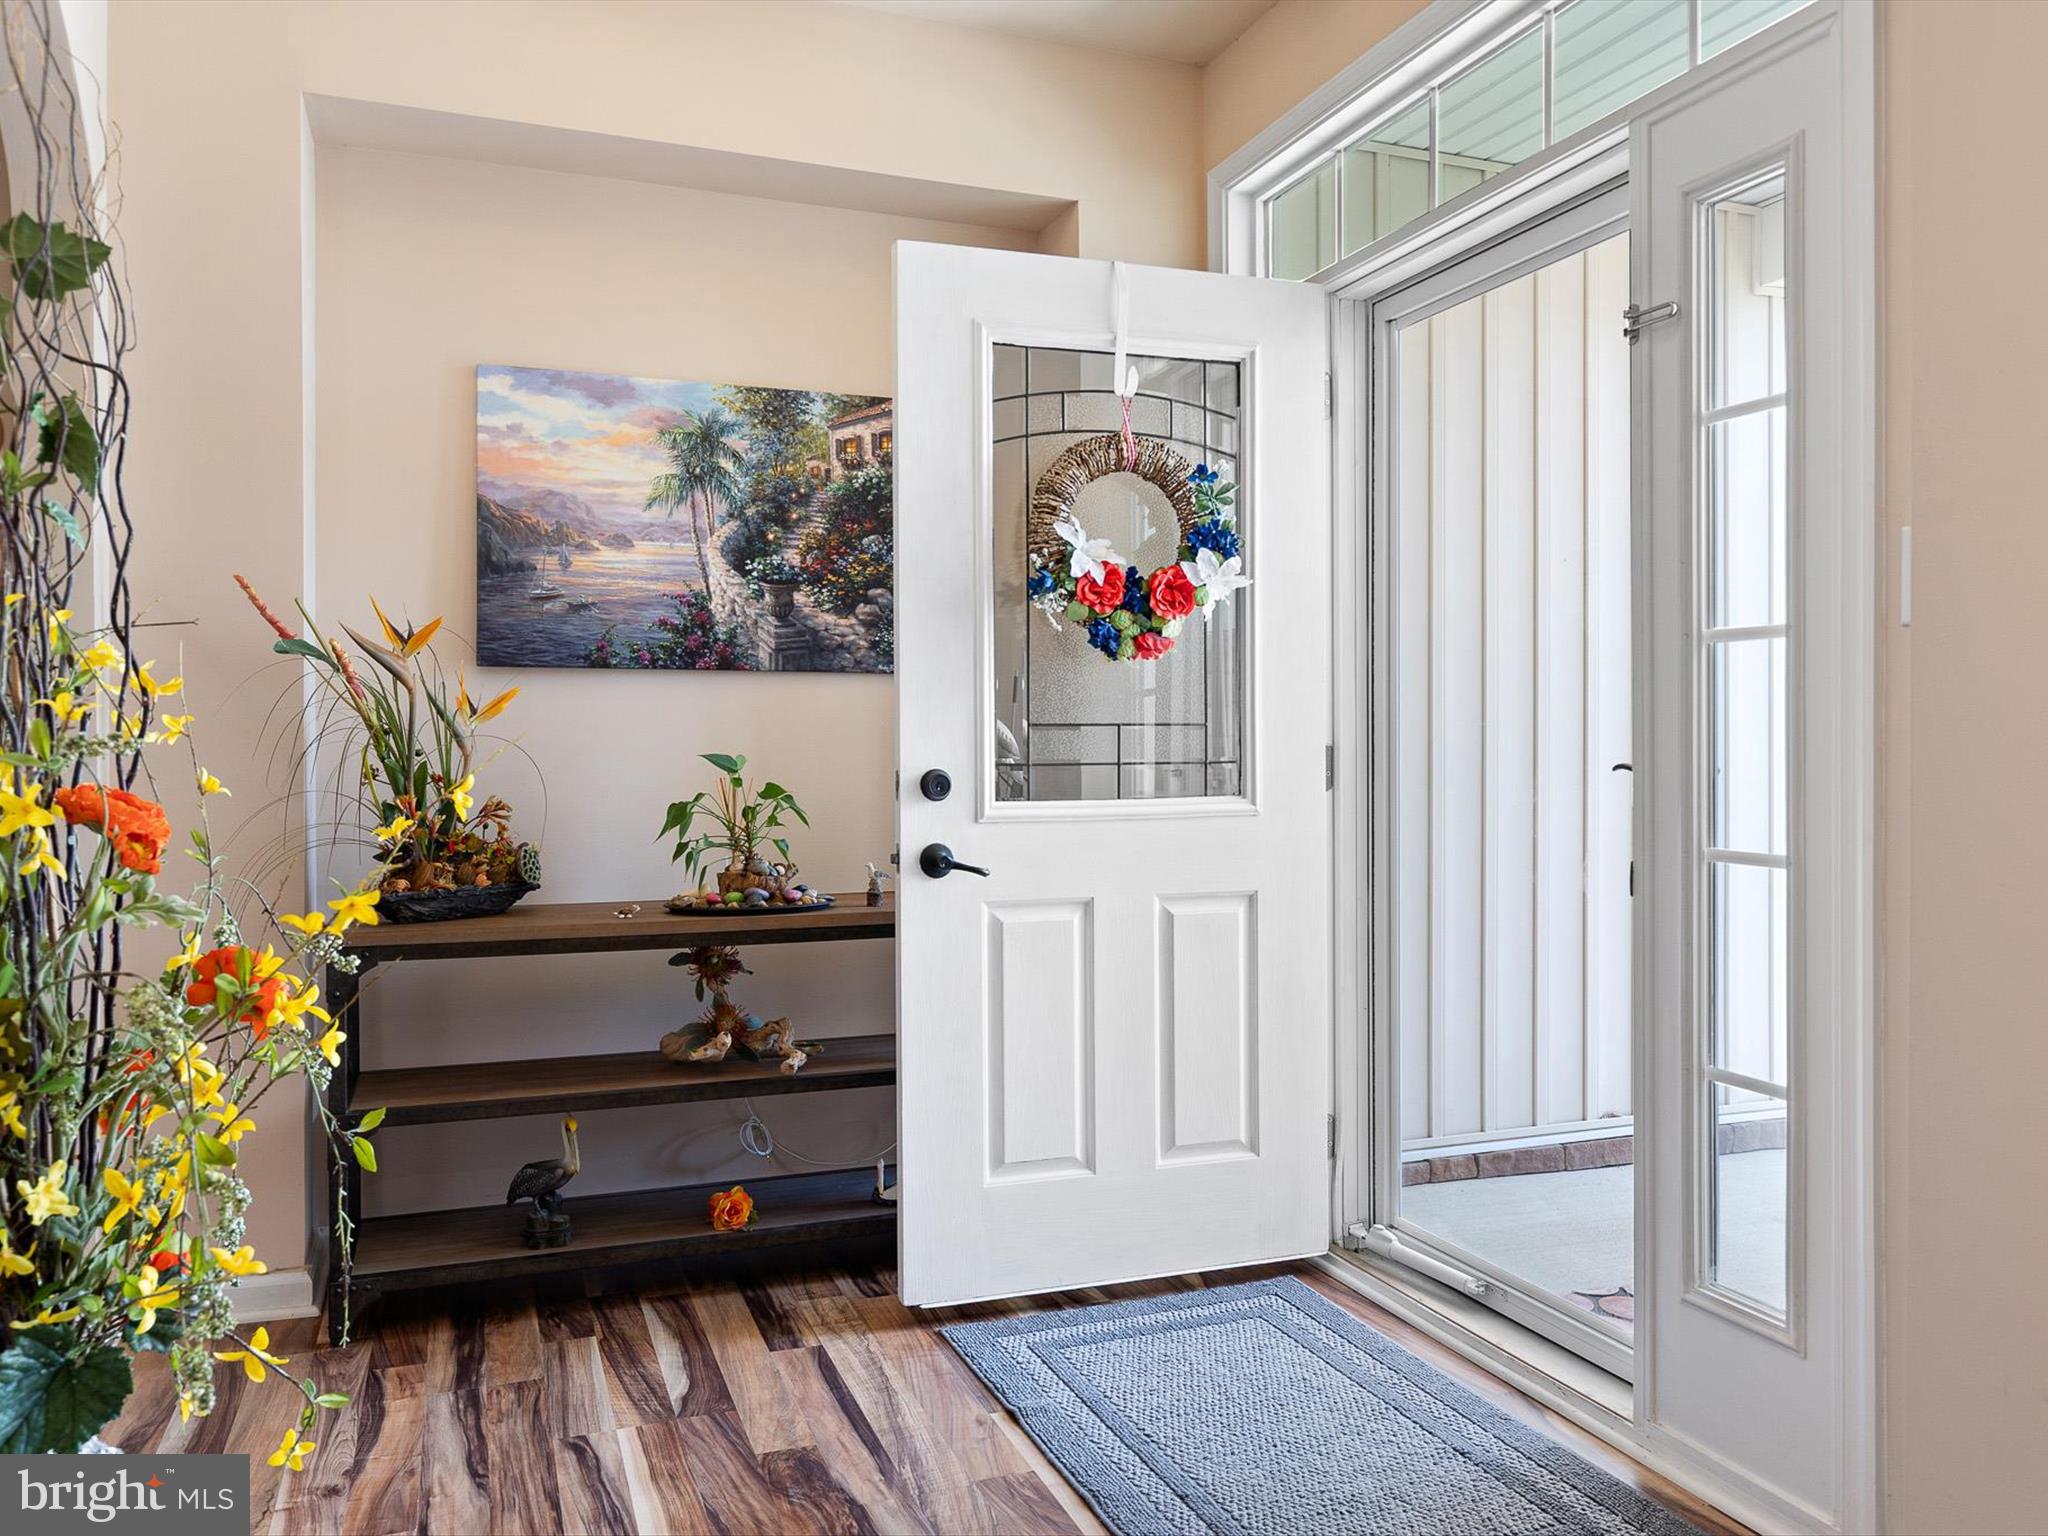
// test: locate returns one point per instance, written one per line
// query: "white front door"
(1115, 1044)
(1752, 789)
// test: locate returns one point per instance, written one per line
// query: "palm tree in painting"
(703, 471)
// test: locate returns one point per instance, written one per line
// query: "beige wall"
(1965, 765)
(1282, 57)
(426, 267)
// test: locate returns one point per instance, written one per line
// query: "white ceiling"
(1185, 31)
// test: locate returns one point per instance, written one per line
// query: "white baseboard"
(280, 1294)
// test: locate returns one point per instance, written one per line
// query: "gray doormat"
(1267, 1410)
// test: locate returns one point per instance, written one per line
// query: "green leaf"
(725, 762)
(67, 438)
(54, 260)
(366, 1155)
(50, 1402)
(297, 647)
(66, 519)
(215, 1151)
(372, 1120)
(331, 1400)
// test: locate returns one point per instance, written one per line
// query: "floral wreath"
(1128, 614)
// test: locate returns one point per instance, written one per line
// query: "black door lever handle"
(938, 862)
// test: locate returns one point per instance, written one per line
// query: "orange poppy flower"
(138, 828)
(259, 1002)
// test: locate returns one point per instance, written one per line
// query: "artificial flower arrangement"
(743, 823)
(732, 1210)
(417, 746)
(1131, 615)
(129, 1090)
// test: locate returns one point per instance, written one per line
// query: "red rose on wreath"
(1171, 593)
(1102, 593)
(1151, 644)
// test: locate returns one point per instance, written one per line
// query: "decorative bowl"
(439, 906)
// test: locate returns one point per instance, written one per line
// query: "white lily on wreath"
(1089, 556)
(1215, 578)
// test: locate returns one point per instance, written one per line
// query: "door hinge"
(1638, 318)
(1333, 1137)
(1329, 397)
(1330, 767)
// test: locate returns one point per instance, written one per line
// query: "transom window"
(1537, 77)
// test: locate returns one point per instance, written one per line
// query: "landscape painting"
(678, 526)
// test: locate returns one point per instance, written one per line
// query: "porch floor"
(1573, 1234)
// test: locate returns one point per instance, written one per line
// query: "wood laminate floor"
(750, 1401)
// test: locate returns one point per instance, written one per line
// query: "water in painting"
(668, 525)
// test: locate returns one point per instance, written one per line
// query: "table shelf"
(489, 1090)
(484, 1242)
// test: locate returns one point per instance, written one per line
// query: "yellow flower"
(154, 1296)
(41, 857)
(67, 707)
(128, 1194)
(255, 1357)
(329, 1045)
(355, 907)
(58, 619)
(295, 1007)
(147, 682)
(209, 785)
(489, 711)
(10, 1113)
(15, 597)
(234, 1125)
(460, 797)
(100, 656)
(185, 1407)
(407, 642)
(291, 1451)
(46, 1198)
(185, 958)
(44, 1316)
(25, 809)
(394, 829)
(308, 923)
(242, 1261)
(174, 728)
(12, 1263)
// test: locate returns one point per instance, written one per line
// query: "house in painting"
(862, 437)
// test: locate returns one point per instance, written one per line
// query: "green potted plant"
(740, 823)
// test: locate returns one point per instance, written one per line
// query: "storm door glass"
(1072, 722)
(1741, 441)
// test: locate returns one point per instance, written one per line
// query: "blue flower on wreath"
(1042, 583)
(1203, 475)
(1105, 637)
(1135, 601)
(1214, 534)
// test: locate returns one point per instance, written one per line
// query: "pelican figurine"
(541, 1182)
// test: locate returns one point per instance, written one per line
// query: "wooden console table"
(485, 1242)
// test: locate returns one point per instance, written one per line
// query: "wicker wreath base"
(1096, 458)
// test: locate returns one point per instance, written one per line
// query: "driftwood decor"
(724, 1028)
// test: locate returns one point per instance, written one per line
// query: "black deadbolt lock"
(936, 783)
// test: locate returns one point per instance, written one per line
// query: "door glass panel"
(1491, 116)
(1748, 689)
(1301, 226)
(1747, 988)
(1070, 722)
(1747, 455)
(1747, 1237)
(1510, 684)
(1749, 869)
(1386, 178)
(1609, 52)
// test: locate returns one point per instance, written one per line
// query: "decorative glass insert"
(1069, 723)
(1745, 662)
(1724, 23)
